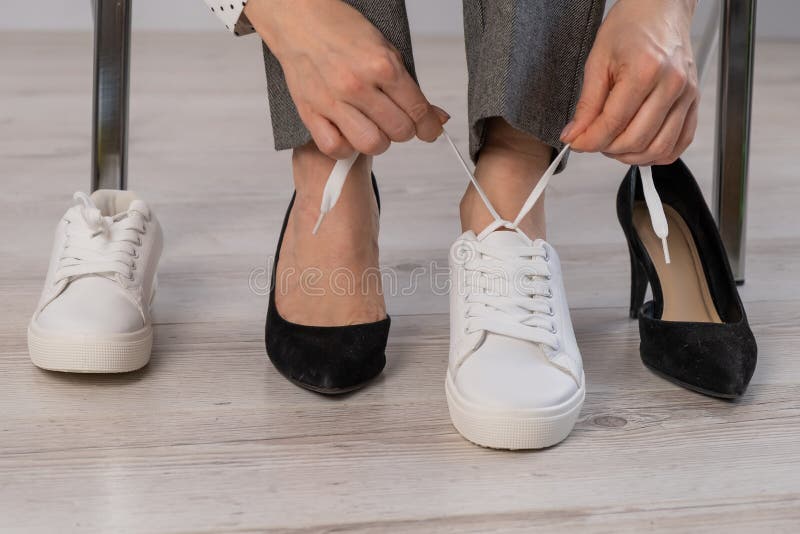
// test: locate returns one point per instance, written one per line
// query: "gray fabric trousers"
(525, 60)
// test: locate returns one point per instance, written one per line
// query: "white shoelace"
(523, 311)
(338, 176)
(655, 208)
(99, 245)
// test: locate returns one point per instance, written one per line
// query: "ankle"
(311, 169)
(351, 227)
(509, 166)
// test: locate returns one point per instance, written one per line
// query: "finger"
(650, 118)
(444, 116)
(590, 104)
(664, 142)
(686, 137)
(363, 134)
(623, 102)
(405, 92)
(386, 115)
(327, 136)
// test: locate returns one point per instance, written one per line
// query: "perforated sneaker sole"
(113, 353)
(513, 429)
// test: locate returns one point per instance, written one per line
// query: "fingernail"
(443, 115)
(567, 130)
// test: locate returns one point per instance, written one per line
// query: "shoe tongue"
(505, 238)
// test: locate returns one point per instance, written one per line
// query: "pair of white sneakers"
(514, 380)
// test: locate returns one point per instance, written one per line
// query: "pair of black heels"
(694, 332)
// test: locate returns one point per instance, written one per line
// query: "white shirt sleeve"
(231, 14)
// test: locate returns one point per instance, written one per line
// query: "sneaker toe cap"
(513, 381)
(104, 312)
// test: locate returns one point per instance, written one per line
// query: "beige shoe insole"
(683, 281)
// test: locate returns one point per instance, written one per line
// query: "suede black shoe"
(326, 359)
(694, 332)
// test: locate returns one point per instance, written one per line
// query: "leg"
(522, 385)
(348, 239)
(525, 61)
(737, 43)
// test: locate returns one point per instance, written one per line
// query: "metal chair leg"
(731, 157)
(112, 37)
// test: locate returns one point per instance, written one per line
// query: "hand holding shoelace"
(349, 83)
(639, 98)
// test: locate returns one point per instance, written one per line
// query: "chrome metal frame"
(735, 97)
(112, 38)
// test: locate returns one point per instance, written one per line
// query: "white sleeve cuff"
(231, 14)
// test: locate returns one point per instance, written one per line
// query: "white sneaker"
(515, 376)
(515, 379)
(94, 313)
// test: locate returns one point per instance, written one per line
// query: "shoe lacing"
(507, 291)
(101, 245)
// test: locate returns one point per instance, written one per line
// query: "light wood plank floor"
(210, 438)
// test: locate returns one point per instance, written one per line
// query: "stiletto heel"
(638, 284)
(694, 331)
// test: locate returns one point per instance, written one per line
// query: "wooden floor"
(210, 438)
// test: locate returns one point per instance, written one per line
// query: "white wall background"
(776, 18)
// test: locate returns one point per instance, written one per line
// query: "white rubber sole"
(518, 429)
(113, 353)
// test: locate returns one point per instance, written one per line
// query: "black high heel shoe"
(694, 332)
(325, 359)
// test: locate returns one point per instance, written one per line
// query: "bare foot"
(509, 166)
(331, 278)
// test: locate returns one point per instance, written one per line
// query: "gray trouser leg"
(389, 16)
(525, 61)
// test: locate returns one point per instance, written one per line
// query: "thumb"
(593, 97)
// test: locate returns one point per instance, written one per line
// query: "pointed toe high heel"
(695, 331)
(325, 359)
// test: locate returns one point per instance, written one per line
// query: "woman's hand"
(639, 98)
(348, 82)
